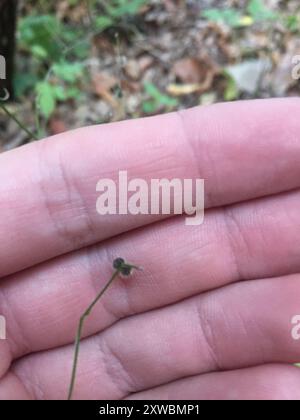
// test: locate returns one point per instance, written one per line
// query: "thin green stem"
(121, 267)
(31, 135)
(80, 328)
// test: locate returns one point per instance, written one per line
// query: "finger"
(11, 388)
(239, 326)
(256, 239)
(271, 382)
(6, 356)
(51, 204)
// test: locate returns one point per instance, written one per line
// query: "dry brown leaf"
(103, 83)
(57, 126)
(103, 44)
(145, 62)
(196, 75)
(196, 71)
(129, 86)
(132, 70)
(189, 70)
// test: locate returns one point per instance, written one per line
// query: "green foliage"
(256, 11)
(292, 23)
(117, 9)
(68, 72)
(157, 100)
(103, 22)
(259, 11)
(50, 74)
(44, 38)
(47, 38)
(46, 98)
(49, 93)
(36, 36)
(231, 17)
(231, 92)
(23, 82)
(55, 49)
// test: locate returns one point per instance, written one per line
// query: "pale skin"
(210, 315)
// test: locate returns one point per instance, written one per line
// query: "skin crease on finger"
(270, 382)
(58, 188)
(264, 242)
(46, 244)
(193, 337)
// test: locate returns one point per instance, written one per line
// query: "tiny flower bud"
(126, 270)
(118, 263)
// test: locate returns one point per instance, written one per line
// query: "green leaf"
(292, 23)
(158, 98)
(24, 82)
(69, 72)
(235, 19)
(37, 35)
(60, 93)
(214, 15)
(231, 17)
(149, 107)
(134, 6)
(232, 91)
(46, 99)
(73, 92)
(259, 11)
(39, 51)
(103, 22)
(153, 91)
(118, 9)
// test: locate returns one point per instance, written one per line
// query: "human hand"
(210, 316)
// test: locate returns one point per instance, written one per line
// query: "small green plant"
(36, 35)
(120, 268)
(51, 74)
(231, 17)
(116, 10)
(292, 23)
(61, 88)
(46, 38)
(256, 11)
(157, 100)
(57, 50)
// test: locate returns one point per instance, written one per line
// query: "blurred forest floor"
(83, 62)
